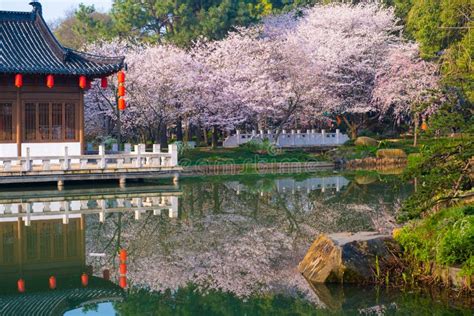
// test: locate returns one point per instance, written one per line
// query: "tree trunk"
(188, 133)
(163, 135)
(198, 132)
(352, 127)
(415, 132)
(179, 129)
(204, 134)
(119, 130)
(214, 137)
(292, 108)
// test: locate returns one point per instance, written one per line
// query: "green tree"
(444, 30)
(182, 21)
(84, 25)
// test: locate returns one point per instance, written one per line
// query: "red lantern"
(18, 80)
(103, 83)
(88, 84)
(123, 268)
(121, 104)
(424, 126)
(50, 81)
(21, 285)
(123, 255)
(52, 282)
(82, 82)
(121, 90)
(121, 77)
(123, 282)
(84, 279)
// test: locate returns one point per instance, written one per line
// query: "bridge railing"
(139, 158)
(293, 138)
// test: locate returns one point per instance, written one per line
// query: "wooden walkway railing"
(89, 167)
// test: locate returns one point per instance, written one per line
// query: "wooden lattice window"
(30, 121)
(70, 121)
(50, 122)
(6, 122)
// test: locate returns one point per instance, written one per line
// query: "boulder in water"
(362, 258)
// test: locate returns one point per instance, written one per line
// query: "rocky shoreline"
(372, 258)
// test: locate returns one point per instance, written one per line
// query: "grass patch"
(446, 237)
(244, 155)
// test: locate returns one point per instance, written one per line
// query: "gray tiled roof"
(27, 46)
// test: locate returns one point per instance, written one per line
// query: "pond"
(208, 246)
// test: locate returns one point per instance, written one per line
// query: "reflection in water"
(244, 236)
(229, 239)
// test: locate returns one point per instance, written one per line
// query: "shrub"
(446, 238)
(259, 147)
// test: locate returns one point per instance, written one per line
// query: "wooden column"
(18, 121)
(81, 121)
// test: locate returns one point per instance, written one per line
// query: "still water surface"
(210, 246)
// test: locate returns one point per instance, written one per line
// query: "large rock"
(366, 141)
(391, 153)
(363, 257)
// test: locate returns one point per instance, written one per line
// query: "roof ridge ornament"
(37, 8)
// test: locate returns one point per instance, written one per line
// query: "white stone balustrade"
(137, 159)
(293, 139)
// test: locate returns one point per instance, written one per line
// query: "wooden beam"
(81, 121)
(18, 122)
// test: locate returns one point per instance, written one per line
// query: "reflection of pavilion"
(43, 234)
(34, 253)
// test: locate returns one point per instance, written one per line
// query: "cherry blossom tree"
(337, 59)
(406, 84)
(346, 44)
(101, 114)
(163, 84)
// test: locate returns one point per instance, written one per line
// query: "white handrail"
(139, 159)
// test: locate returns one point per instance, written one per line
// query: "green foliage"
(243, 155)
(85, 25)
(423, 24)
(182, 21)
(446, 237)
(450, 118)
(442, 28)
(442, 172)
(260, 147)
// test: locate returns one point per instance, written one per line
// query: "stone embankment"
(274, 167)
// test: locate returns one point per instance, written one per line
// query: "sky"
(53, 9)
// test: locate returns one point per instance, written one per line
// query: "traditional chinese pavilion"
(42, 86)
